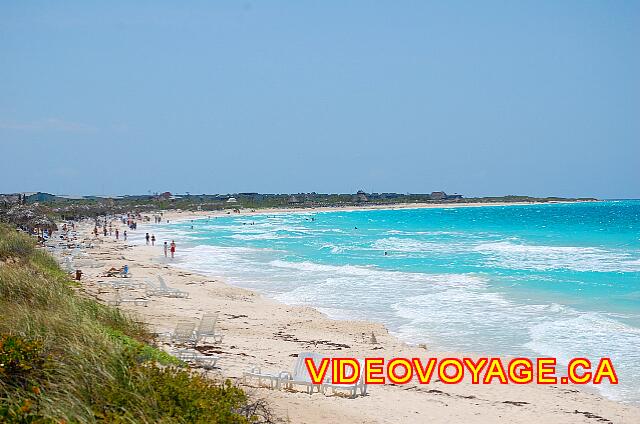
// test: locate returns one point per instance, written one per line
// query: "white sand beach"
(259, 331)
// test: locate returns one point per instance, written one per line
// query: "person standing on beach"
(153, 240)
(125, 235)
(173, 248)
(117, 234)
(146, 237)
(166, 247)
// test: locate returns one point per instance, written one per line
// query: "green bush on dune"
(66, 358)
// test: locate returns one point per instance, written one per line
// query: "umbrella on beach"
(29, 218)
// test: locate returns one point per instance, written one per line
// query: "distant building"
(33, 197)
(361, 196)
(232, 200)
(438, 195)
(441, 195)
(165, 196)
(293, 200)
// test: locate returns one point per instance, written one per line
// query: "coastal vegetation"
(66, 358)
(41, 207)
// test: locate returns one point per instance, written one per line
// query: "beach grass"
(66, 358)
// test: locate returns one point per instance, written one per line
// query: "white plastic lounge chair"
(154, 290)
(121, 273)
(256, 372)
(119, 300)
(300, 375)
(351, 388)
(173, 292)
(164, 286)
(197, 358)
(207, 328)
(67, 264)
(184, 334)
(88, 263)
(119, 284)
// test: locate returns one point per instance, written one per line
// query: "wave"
(486, 322)
(592, 335)
(333, 248)
(409, 245)
(316, 267)
(261, 236)
(543, 258)
(424, 233)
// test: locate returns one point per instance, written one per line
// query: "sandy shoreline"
(179, 215)
(260, 331)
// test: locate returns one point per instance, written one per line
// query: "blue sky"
(481, 98)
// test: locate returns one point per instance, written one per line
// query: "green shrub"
(142, 351)
(21, 360)
(175, 395)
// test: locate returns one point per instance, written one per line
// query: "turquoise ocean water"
(557, 280)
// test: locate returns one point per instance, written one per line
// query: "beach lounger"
(87, 244)
(67, 264)
(119, 284)
(197, 358)
(300, 375)
(207, 328)
(119, 300)
(256, 372)
(88, 263)
(163, 290)
(185, 335)
(117, 273)
(351, 388)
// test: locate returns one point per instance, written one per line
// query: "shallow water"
(555, 280)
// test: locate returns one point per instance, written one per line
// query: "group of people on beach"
(110, 231)
(172, 248)
(130, 221)
(167, 247)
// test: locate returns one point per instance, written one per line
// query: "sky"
(480, 98)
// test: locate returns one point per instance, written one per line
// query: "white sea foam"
(484, 321)
(333, 248)
(423, 233)
(540, 257)
(262, 236)
(410, 245)
(307, 266)
(592, 335)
